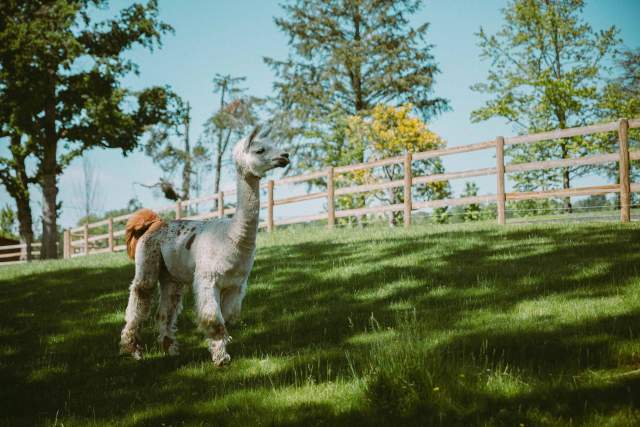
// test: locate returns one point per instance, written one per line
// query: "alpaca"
(215, 256)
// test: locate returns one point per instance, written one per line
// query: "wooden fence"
(15, 254)
(80, 240)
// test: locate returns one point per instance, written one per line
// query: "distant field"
(438, 325)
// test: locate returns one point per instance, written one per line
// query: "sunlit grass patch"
(389, 289)
(111, 318)
(47, 373)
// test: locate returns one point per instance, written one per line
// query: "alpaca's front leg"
(232, 304)
(210, 319)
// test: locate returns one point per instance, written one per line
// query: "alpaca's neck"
(244, 226)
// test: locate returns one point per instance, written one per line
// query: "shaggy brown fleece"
(141, 222)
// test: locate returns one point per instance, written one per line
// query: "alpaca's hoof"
(170, 346)
(221, 359)
(137, 354)
(173, 350)
(218, 351)
(130, 343)
(134, 349)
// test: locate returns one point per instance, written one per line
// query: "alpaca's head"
(257, 154)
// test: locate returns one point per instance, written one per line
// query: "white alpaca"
(216, 256)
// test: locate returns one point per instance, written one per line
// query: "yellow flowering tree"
(387, 131)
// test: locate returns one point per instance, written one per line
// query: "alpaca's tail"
(139, 223)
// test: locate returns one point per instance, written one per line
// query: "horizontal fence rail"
(16, 254)
(108, 235)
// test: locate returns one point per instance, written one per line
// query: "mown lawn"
(515, 326)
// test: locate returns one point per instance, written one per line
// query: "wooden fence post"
(178, 209)
(270, 206)
(408, 181)
(625, 182)
(110, 225)
(500, 195)
(220, 204)
(86, 238)
(70, 246)
(65, 244)
(331, 203)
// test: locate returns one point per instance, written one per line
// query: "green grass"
(448, 325)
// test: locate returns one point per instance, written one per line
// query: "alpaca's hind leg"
(210, 318)
(141, 291)
(169, 308)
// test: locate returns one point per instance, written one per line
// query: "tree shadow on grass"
(306, 305)
(568, 375)
(531, 273)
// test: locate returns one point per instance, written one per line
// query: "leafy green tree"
(621, 99)
(547, 68)
(346, 57)
(61, 72)
(7, 220)
(15, 178)
(596, 203)
(622, 94)
(387, 131)
(527, 208)
(472, 211)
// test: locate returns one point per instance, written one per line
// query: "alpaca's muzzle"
(282, 160)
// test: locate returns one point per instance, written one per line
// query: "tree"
(169, 144)
(194, 162)
(346, 57)
(235, 114)
(200, 166)
(621, 99)
(472, 211)
(387, 131)
(598, 202)
(16, 180)
(88, 190)
(7, 220)
(61, 72)
(547, 67)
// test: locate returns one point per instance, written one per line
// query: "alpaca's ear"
(265, 133)
(252, 136)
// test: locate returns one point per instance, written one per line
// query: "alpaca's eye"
(260, 151)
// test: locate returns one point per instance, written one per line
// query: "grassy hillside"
(514, 326)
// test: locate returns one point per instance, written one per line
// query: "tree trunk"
(561, 114)
(356, 71)
(49, 182)
(186, 171)
(219, 153)
(392, 217)
(25, 227)
(216, 179)
(20, 193)
(566, 179)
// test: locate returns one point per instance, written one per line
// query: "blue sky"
(232, 37)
